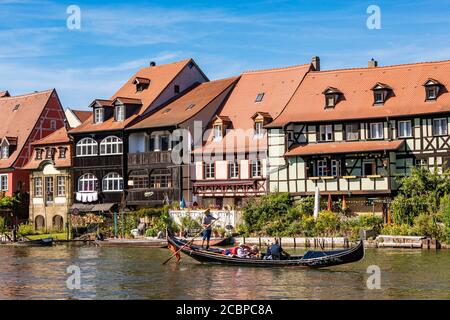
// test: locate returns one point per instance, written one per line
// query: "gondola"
(311, 259)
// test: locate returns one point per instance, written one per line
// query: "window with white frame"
(217, 130)
(233, 170)
(98, 115)
(120, 113)
(322, 168)
(87, 183)
(111, 145)
(209, 170)
(112, 182)
(38, 187)
(440, 127)
(87, 147)
(376, 130)
(256, 168)
(61, 186)
(3, 182)
(5, 152)
(326, 132)
(404, 129)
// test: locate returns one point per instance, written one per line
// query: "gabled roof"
(278, 86)
(186, 106)
(160, 76)
(407, 81)
(19, 115)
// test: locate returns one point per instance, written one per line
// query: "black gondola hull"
(318, 260)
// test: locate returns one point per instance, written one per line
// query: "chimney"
(315, 61)
(372, 63)
(152, 63)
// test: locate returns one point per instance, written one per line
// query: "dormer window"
(98, 115)
(141, 83)
(381, 93)
(432, 89)
(259, 97)
(120, 112)
(332, 96)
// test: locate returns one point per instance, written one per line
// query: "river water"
(137, 273)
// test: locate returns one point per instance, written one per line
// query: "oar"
(190, 241)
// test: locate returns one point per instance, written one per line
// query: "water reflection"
(137, 273)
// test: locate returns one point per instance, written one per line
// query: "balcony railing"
(149, 158)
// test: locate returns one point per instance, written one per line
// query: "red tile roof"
(406, 81)
(186, 106)
(160, 76)
(343, 147)
(19, 115)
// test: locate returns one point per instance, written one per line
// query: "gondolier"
(207, 221)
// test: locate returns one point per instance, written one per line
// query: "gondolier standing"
(207, 221)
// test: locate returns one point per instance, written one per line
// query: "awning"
(103, 206)
(344, 147)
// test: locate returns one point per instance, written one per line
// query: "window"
(3, 182)
(87, 183)
(217, 132)
(258, 128)
(422, 163)
(61, 185)
(322, 168)
(62, 153)
(139, 179)
(440, 127)
(39, 154)
(98, 115)
(5, 152)
(404, 129)
(176, 89)
(111, 145)
(38, 187)
(326, 132)
(259, 97)
(87, 147)
(256, 168)
(53, 124)
(369, 168)
(351, 132)
(161, 178)
(376, 130)
(209, 170)
(120, 113)
(49, 189)
(112, 182)
(233, 170)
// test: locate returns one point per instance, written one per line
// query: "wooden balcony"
(152, 196)
(97, 161)
(149, 158)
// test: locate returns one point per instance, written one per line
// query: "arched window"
(87, 183)
(161, 178)
(87, 147)
(111, 145)
(112, 182)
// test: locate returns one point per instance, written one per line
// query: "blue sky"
(38, 51)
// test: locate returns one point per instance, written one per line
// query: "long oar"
(190, 242)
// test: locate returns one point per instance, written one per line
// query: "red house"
(24, 119)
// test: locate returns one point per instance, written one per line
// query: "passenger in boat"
(207, 221)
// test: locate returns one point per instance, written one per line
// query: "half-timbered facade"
(159, 163)
(353, 132)
(101, 145)
(24, 119)
(231, 165)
